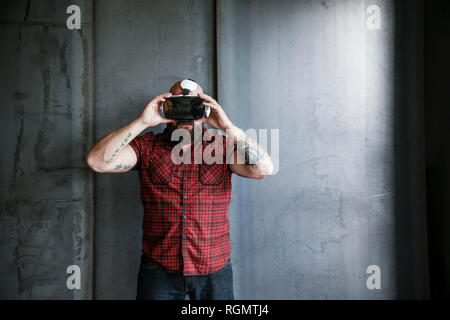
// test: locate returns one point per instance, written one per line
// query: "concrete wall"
(350, 186)
(46, 188)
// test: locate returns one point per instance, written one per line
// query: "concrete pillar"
(46, 125)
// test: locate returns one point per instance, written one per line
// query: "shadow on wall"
(437, 114)
(409, 153)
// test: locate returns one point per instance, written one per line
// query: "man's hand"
(113, 153)
(150, 115)
(217, 118)
(250, 160)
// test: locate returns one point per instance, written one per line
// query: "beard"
(171, 127)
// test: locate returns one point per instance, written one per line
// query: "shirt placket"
(185, 176)
(184, 213)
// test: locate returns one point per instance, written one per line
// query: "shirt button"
(185, 197)
(185, 217)
(184, 178)
(184, 237)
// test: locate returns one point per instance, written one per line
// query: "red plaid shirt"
(185, 227)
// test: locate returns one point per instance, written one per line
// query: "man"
(186, 243)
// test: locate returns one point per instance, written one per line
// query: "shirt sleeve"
(141, 145)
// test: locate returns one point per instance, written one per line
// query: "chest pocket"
(161, 169)
(211, 174)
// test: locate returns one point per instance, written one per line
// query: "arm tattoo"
(122, 167)
(251, 150)
(117, 151)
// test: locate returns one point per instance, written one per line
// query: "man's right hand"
(150, 115)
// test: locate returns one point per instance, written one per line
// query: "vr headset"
(185, 106)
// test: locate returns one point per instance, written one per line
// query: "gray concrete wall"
(46, 188)
(337, 205)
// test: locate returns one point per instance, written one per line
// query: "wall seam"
(92, 130)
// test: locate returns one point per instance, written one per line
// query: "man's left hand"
(217, 118)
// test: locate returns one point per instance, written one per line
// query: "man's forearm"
(254, 156)
(104, 153)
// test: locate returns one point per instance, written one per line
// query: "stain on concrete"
(48, 45)
(19, 143)
(27, 11)
(325, 4)
(63, 63)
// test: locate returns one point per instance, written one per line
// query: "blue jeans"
(154, 283)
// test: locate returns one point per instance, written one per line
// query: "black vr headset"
(185, 106)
